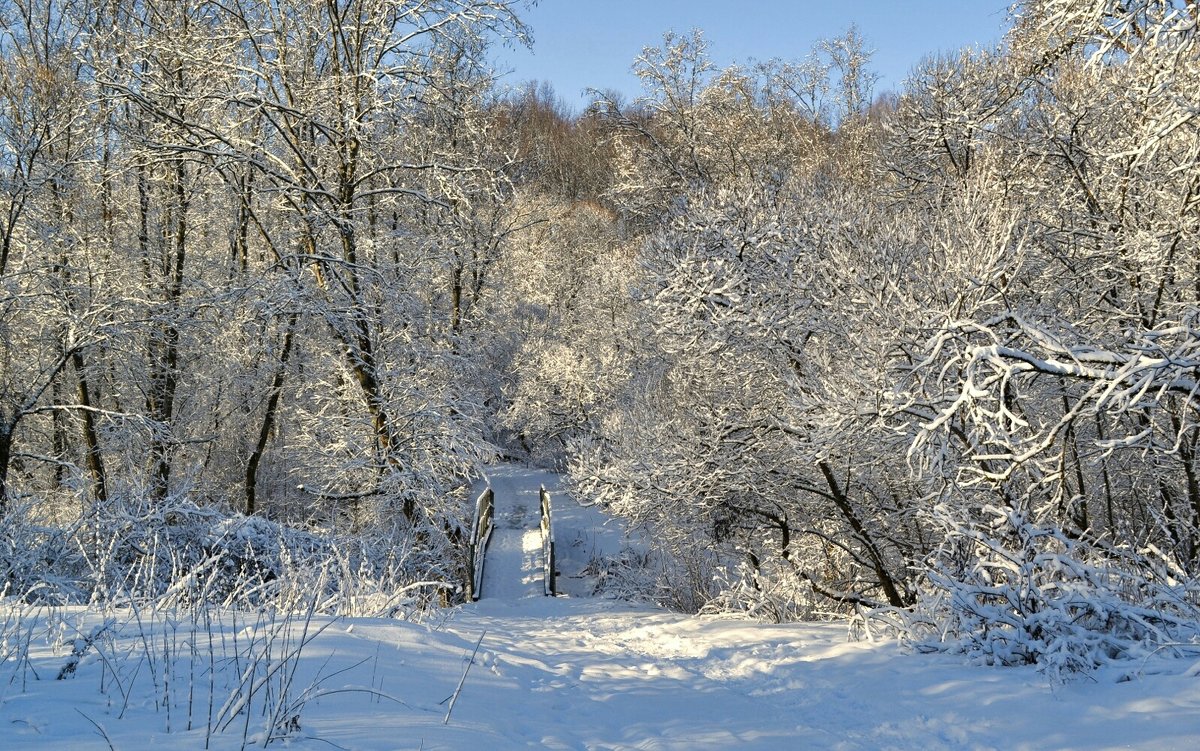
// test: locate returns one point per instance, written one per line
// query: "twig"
(99, 729)
(463, 680)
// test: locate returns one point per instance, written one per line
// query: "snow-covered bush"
(34, 558)
(765, 593)
(176, 553)
(629, 575)
(1005, 590)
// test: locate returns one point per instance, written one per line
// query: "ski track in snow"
(596, 674)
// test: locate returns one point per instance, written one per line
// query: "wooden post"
(551, 584)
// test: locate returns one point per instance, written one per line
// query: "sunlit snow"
(575, 672)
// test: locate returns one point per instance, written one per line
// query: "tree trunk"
(91, 436)
(456, 291)
(860, 532)
(165, 357)
(269, 418)
(5, 460)
(58, 438)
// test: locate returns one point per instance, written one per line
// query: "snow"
(567, 672)
(513, 567)
(576, 673)
(584, 538)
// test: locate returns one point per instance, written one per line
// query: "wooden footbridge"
(512, 537)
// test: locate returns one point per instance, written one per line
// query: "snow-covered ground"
(557, 673)
(584, 538)
(573, 673)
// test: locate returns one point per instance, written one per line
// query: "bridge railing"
(548, 543)
(481, 535)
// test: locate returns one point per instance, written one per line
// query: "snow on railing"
(548, 543)
(481, 535)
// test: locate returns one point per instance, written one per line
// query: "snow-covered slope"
(571, 673)
(557, 673)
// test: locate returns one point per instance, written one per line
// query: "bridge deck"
(514, 567)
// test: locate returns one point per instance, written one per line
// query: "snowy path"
(604, 675)
(514, 568)
(593, 674)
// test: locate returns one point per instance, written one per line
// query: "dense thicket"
(933, 354)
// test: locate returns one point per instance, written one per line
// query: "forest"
(278, 278)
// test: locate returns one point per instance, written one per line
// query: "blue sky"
(592, 43)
